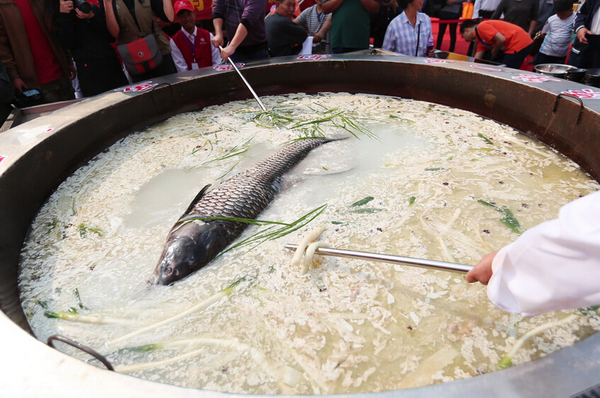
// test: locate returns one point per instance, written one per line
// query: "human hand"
(581, 33)
(19, 84)
(227, 52)
(217, 40)
(82, 15)
(450, 2)
(482, 272)
(317, 38)
(72, 72)
(66, 6)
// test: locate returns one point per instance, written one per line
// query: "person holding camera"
(36, 63)
(82, 30)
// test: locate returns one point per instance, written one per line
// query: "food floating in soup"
(414, 179)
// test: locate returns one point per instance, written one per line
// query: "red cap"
(182, 5)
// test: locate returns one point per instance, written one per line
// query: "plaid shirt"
(401, 36)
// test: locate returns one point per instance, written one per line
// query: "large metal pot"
(36, 156)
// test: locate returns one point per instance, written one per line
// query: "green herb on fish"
(403, 119)
(78, 298)
(271, 233)
(507, 218)
(362, 202)
(436, 169)
(411, 200)
(366, 210)
(487, 140)
(84, 229)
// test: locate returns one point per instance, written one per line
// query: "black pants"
(99, 75)
(441, 33)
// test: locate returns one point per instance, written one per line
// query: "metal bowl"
(556, 70)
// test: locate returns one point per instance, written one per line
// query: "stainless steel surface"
(389, 258)
(557, 70)
(37, 156)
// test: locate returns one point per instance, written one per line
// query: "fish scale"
(192, 244)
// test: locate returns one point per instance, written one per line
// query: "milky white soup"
(346, 325)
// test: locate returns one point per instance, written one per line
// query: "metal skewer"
(262, 106)
(388, 258)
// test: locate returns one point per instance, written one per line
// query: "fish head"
(187, 250)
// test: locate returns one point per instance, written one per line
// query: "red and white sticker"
(139, 87)
(486, 68)
(437, 61)
(224, 67)
(314, 57)
(535, 78)
(586, 93)
(2, 157)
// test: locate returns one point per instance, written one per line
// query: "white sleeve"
(215, 52)
(553, 266)
(178, 59)
(476, 8)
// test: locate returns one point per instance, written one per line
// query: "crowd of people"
(45, 44)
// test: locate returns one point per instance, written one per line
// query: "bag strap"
(479, 38)
(418, 36)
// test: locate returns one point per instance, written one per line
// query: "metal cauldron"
(37, 156)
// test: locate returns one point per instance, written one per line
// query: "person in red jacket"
(495, 35)
(191, 46)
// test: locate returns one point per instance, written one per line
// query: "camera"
(83, 6)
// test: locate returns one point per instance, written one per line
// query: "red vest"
(202, 51)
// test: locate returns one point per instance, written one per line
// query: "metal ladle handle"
(388, 258)
(262, 106)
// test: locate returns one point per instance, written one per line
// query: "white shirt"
(553, 266)
(486, 5)
(178, 59)
(556, 43)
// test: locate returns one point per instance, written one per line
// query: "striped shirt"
(401, 36)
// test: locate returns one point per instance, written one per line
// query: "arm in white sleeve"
(215, 53)
(177, 56)
(553, 266)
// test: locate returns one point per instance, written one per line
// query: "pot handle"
(81, 347)
(570, 96)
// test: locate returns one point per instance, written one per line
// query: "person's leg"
(440, 36)
(453, 27)
(515, 60)
(99, 75)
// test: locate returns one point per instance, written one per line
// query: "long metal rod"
(388, 258)
(262, 106)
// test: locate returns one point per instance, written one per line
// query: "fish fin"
(197, 198)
